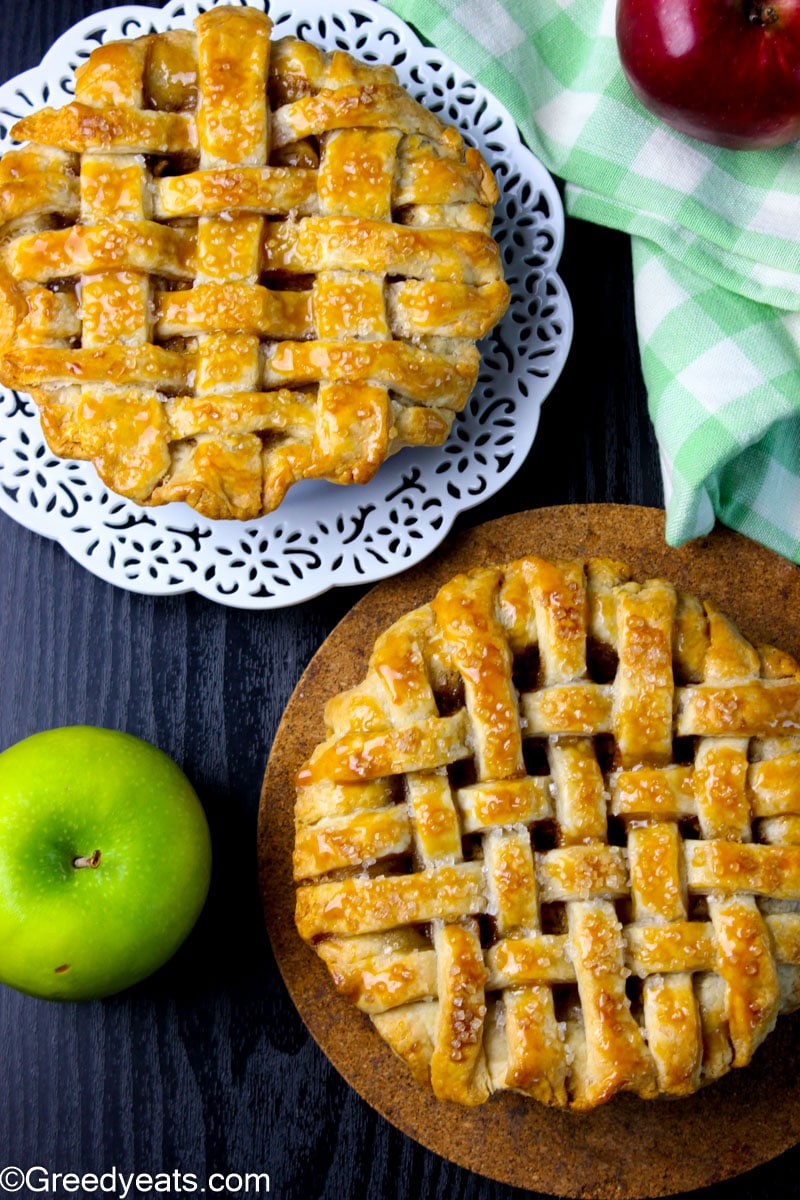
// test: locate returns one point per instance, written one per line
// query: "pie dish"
(322, 536)
(199, 297)
(551, 843)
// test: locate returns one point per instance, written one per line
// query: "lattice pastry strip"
(230, 264)
(532, 881)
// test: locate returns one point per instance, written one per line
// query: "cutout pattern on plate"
(322, 536)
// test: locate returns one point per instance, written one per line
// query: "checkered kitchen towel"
(716, 252)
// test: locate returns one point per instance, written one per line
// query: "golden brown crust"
(552, 841)
(333, 242)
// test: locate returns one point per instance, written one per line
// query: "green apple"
(105, 861)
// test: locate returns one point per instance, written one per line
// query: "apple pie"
(551, 842)
(233, 263)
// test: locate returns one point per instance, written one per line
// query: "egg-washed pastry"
(551, 842)
(234, 263)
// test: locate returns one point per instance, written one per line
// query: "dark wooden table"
(206, 1067)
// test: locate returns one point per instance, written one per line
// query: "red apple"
(724, 71)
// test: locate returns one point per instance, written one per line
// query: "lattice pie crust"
(552, 841)
(232, 264)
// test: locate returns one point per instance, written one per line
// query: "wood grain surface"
(207, 1066)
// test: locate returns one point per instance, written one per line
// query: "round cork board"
(628, 1148)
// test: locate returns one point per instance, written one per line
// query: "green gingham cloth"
(716, 252)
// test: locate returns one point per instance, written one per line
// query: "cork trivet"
(628, 1148)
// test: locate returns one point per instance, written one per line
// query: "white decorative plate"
(322, 535)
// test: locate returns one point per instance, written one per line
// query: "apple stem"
(88, 860)
(762, 14)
